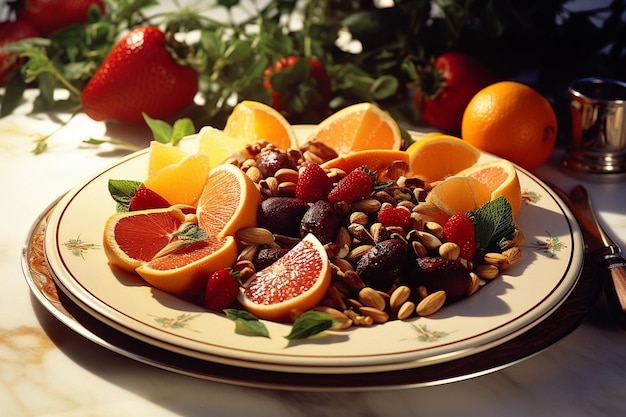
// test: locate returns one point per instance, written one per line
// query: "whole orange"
(513, 121)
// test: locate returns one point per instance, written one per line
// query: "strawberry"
(12, 31)
(358, 184)
(222, 288)
(49, 16)
(395, 216)
(140, 75)
(459, 229)
(146, 198)
(446, 87)
(296, 91)
(313, 184)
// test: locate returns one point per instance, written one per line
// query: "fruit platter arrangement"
(302, 229)
(331, 248)
(315, 237)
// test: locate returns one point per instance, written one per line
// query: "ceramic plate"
(506, 307)
(560, 323)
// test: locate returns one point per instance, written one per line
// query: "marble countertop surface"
(47, 369)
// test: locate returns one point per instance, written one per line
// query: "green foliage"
(541, 42)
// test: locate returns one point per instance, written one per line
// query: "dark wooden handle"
(615, 288)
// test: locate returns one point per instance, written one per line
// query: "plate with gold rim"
(508, 306)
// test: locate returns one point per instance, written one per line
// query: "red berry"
(313, 184)
(140, 75)
(357, 185)
(395, 216)
(459, 229)
(146, 198)
(221, 291)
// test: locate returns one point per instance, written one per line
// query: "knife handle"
(615, 287)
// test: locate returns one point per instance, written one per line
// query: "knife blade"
(603, 250)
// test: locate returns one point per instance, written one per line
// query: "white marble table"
(46, 369)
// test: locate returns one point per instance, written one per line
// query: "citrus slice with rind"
(296, 282)
(459, 194)
(182, 182)
(228, 203)
(184, 272)
(500, 177)
(358, 127)
(373, 159)
(438, 156)
(252, 121)
(134, 238)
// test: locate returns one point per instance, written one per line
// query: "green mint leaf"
(246, 323)
(191, 233)
(182, 127)
(309, 324)
(493, 222)
(122, 191)
(161, 131)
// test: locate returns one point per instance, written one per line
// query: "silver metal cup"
(598, 114)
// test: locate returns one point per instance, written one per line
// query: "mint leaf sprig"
(493, 223)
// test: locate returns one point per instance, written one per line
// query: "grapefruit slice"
(134, 238)
(147, 242)
(296, 282)
(184, 272)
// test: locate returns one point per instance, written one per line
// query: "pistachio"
(397, 170)
(419, 249)
(254, 174)
(475, 283)
(343, 240)
(450, 250)
(434, 228)
(359, 232)
(366, 205)
(431, 304)
(359, 217)
(513, 255)
(286, 175)
(320, 149)
(496, 259)
(430, 241)
(487, 271)
(287, 188)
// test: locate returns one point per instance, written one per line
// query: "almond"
(431, 304)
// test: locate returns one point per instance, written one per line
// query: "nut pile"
(370, 262)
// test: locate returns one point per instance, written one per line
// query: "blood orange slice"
(297, 282)
(134, 238)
